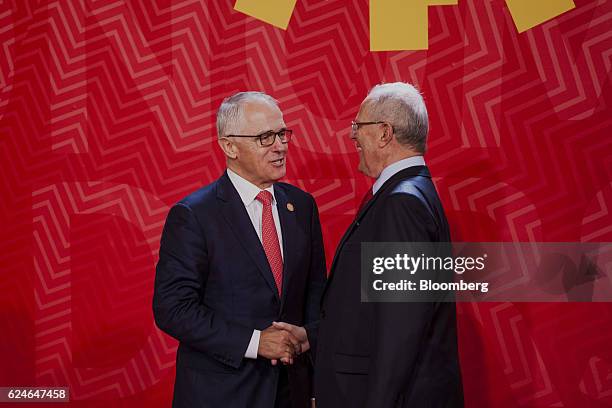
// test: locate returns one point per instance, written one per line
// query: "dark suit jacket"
(213, 286)
(380, 355)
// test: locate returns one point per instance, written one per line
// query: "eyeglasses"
(355, 125)
(268, 138)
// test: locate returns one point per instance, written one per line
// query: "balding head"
(402, 106)
(230, 116)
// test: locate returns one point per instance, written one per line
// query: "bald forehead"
(364, 109)
(256, 105)
(260, 116)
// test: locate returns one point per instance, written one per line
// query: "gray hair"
(231, 110)
(401, 105)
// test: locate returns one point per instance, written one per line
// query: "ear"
(228, 147)
(386, 136)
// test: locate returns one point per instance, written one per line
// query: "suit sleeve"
(180, 278)
(399, 327)
(316, 279)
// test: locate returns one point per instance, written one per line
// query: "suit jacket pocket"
(351, 364)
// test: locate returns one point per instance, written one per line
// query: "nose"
(279, 146)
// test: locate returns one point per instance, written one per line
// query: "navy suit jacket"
(213, 286)
(387, 355)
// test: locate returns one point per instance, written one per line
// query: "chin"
(362, 168)
(278, 174)
(366, 172)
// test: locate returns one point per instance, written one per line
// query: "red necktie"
(269, 237)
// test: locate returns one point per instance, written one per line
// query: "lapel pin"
(290, 207)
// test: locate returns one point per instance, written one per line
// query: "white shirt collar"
(247, 190)
(394, 168)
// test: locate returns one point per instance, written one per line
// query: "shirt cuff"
(251, 351)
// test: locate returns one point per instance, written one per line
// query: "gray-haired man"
(236, 256)
(388, 355)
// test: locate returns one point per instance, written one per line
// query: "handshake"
(282, 341)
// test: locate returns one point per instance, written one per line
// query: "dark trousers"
(283, 393)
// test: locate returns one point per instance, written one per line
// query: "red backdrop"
(107, 118)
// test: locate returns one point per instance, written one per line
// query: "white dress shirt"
(394, 168)
(248, 193)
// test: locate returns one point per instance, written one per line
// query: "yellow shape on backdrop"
(275, 12)
(401, 24)
(397, 25)
(529, 13)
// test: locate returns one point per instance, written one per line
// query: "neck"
(397, 156)
(247, 177)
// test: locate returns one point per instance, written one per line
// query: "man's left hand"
(299, 333)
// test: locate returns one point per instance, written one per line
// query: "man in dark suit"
(235, 256)
(380, 355)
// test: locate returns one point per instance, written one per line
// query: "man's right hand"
(276, 344)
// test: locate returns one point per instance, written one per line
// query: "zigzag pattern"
(108, 280)
(107, 113)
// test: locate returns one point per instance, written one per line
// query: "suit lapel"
(238, 219)
(384, 189)
(345, 237)
(362, 212)
(288, 227)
